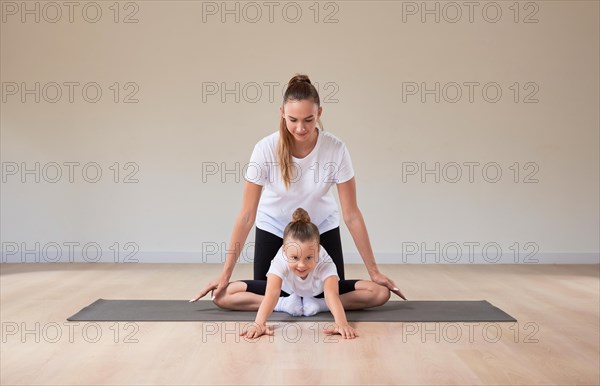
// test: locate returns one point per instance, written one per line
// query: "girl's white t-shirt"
(313, 284)
(327, 164)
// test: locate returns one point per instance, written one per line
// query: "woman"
(297, 166)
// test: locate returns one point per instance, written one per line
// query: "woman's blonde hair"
(299, 88)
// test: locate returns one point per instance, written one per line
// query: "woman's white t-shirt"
(313, 284)
(327, 164)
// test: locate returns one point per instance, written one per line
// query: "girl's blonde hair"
(299, 88)
(301, 228)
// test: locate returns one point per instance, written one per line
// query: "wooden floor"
(555, 341)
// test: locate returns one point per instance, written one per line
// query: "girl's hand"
(256, 330)
(345, 330)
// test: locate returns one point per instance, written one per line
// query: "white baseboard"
(480, 258)
(146, 257)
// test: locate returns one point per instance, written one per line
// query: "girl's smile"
(301, 257)
(303, 273)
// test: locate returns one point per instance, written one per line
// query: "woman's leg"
(332, 242)
(365, 294)
(266, 246)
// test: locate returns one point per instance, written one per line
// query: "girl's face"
(301, 256)
(301, 119)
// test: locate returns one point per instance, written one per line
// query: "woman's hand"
(343, 329)
(256, 330)
(385, 281)
(216, 286)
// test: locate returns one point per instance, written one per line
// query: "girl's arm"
(270, 300)
(332, 298)
(266, 308)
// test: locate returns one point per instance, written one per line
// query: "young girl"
(300, 275)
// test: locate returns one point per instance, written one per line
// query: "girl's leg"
(235, 297)
(354, 295)
(366, 294)
(247, 295)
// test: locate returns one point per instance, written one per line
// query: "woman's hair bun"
(301, 215)
(299, 78)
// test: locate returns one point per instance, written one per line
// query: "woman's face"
(301, 119)
(301, 256)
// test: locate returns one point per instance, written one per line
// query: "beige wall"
(365, 65)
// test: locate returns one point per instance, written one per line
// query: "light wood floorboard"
(555, 341)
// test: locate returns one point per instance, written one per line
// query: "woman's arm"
(356, 225)
(242, 226)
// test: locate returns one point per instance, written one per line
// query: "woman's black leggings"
(267, 244)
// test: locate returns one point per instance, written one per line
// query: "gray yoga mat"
(105, 310)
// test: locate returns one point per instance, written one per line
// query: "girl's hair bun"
(301, 228)
(301, 215)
